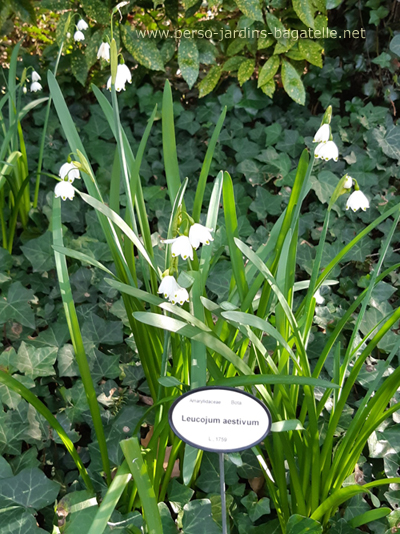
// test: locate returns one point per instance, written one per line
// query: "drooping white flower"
(35, 86)
(69, 172)
(64, 190)
(82, 25)
(78, 36)
(199, 234)
(181, 247)
(348, 182)
(319, 298)
(123, 75)
(168, 287)
(24, 90)
(181, 296)
(68, 35)
(327, 151)
(35, 76)
(356, 201)
(323, 134)
(104, 52)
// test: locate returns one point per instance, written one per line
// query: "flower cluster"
(326, 148)
(64, 189)
(80, 28)
(183, 246)
(35, 85)
(123, 75)
(172, 291)
(357, 199)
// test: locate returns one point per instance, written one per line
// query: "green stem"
(42, 142)
(76, 338)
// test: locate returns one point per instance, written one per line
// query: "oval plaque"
(219, 419)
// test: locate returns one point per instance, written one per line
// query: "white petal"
(78, 36)
(323, 134)
(69, 171)
(348, 182)
(64, 190)
(82, 25)
(181, 296)
(104, 51)
(181, 247)
(124, 72)
(356, 201)
(35, 76)
(35, 86)
(200, 234)
(168, 287)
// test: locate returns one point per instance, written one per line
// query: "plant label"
(219, 419)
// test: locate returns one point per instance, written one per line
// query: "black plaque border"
(209, 449)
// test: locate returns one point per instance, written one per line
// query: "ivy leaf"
(265, 204)
(36, 362)
(209, 479)
(268, 70)
(178, 495)
(292, 83)
(188, 60)
(100, 331)
(143, 49)
(39, 253)
(15, 307)
(208, 83)
(305, 11)
(395, 45)
(19, 521)
(390, 142)
(251, 8)
(197, 518)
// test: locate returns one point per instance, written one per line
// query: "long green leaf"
(253, 380)
(133, 455)
(169, 144)
(232, 233)
(198, 199)
(76, 337)
(111, 498)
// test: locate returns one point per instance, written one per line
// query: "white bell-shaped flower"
(168, 287)
(35, 86)
(64, 190)
(123, 75)
(200, 234)
(348, 183)
(181, 296)
(181, 247)
(35, 76)
(104, 52)
(356, 201)
(323, 134)
(319, 298)
(82, 25)
(78, 36)
(327, 151)
(69, 172)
